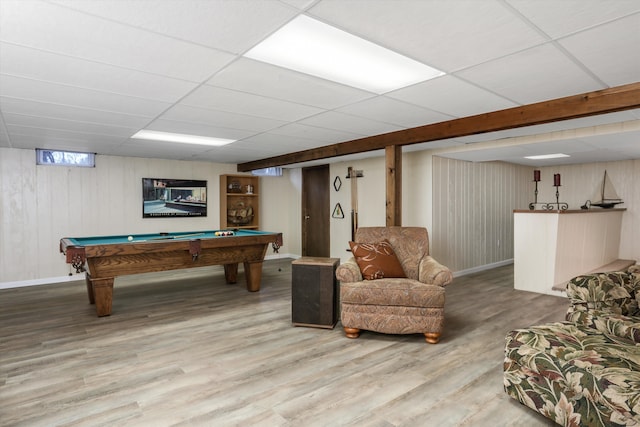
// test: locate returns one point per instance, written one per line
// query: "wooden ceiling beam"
(604, 101)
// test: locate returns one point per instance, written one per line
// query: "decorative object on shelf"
(337, 183)
(558, 205)
(234, 187)
(337, 212)
(606, 195)
(240, 214)
(239, 201)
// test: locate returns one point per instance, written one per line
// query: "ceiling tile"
(320, 135)
(198, 129)
(431, 145)
(64, 112)
(233, 26)
(67, 125)
(434, 32)
(452, 96)
(611, 51)
(245, 103)
(349, 123)
(247, 75)
(32, 24)
(534, 75)
(386, 109)
(185, 113)
(4, 136)
(30, 137)
(547, 128)
(280, 144)
(299, 4)
(491, 155)
(622, 142)
(49, 67)
(140, 148)
(34, 90)
(560, 18)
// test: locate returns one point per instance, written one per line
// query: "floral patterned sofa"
(584, 371)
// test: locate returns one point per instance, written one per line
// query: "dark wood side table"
(314, 292)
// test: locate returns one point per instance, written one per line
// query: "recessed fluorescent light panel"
(312, 47)
(547, 156)
(181, 138)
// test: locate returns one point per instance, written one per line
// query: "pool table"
(105, 257)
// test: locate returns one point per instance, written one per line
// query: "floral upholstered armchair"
(392, 285)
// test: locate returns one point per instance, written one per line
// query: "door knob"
(306, 217)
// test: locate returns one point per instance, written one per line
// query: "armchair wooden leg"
(352, 332)
(432, 337)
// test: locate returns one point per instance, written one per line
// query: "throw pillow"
(376, 260)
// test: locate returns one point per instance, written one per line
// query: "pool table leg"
(231, 273)
(87, 278)
(253, 273)
(101, 294)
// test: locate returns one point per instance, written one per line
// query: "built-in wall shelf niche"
(239, 201)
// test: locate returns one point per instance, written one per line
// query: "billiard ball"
(130, 238)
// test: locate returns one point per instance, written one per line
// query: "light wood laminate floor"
(183, 348)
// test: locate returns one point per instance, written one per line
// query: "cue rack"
(353, 175)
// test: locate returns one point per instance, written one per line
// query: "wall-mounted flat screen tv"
(168, 198)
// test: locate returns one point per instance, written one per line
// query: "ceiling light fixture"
(181, 138)
(312, 47)
(547, 156)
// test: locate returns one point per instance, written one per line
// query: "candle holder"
(548, 206)
(532, 206)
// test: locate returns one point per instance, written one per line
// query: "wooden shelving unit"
(238, 193)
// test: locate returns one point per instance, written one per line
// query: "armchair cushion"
(392, 292)
(377, 260)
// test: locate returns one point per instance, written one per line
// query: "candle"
(536, 175)
(556, 180)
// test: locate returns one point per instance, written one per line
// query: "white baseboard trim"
(482, 268)
(39, 282)
(63, 279)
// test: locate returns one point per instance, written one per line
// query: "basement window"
(267, 172)
(65, 158)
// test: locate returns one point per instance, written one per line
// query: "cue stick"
(182, 236)
(354, 203)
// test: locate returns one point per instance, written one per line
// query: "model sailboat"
(606, 196)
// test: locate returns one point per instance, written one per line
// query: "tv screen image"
(162, 198)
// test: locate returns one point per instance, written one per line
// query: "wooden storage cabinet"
(238, 195)
(314, 292)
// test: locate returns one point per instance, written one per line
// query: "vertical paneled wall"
(473, 207)
(581, 182)
(41, 204)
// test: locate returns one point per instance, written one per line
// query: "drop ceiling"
(87, 75)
